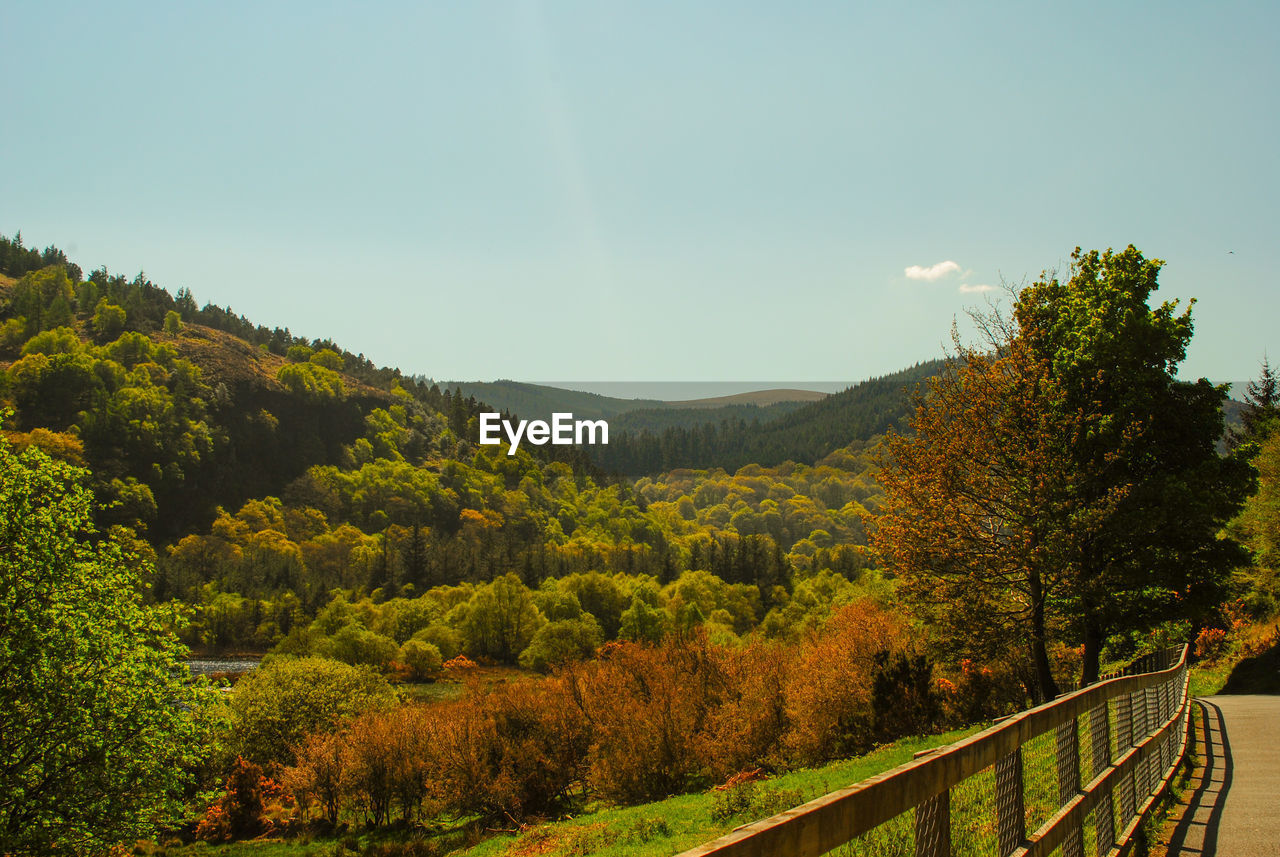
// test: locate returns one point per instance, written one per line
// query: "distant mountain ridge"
(807, 432)
(540, 400)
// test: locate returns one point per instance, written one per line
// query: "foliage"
(237, 814)
(807, 433)
(1065, 485)
(1258, 527)
(561, 641)
(99, 721)
(286, 699)
(1261, 409)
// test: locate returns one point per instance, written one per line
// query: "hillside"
(258, 464)
(179, 410)
(807, 433)
(761, 398)
(537, 401)
(540, 400)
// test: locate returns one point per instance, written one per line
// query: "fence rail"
(1070, 777)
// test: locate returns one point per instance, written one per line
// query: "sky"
(610, 191)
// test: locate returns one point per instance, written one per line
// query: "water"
(207, 666)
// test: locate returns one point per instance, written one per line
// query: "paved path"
(1234, 809)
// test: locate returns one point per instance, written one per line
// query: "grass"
(678, 823)
(1251, 666)
(663, 827)
(251, 848)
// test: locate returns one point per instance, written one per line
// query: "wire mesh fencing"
(1072, 777)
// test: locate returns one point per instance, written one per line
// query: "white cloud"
(933, 272)
(968, 289)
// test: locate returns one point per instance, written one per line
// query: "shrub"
(446, 640)
(355, 644)
(903, 700)
(317, 775)
(747, 725)
(513, 752)
(286, 699)
(646, 706)
(829, 693)
(422, 660)
(561, 641)
(237, 814)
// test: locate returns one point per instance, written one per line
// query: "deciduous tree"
(98, 717)
(1061, 484)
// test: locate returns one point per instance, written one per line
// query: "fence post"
(1152, 757)
(1124, 743)
(933, 826)
(1011, 818)
(1103, 814)
(1068, 752)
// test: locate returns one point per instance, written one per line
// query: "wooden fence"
(1074, 776)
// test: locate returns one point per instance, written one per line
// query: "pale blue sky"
(638, 191)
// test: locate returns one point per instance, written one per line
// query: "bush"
(561, 641)
(446, 640)
(237, 814)
(748, 724)
(903, 700)
(389, 759)
(355, 644)
(829, 693)
(511, 753)
(277, 705)
(421, 660)
(646, 706)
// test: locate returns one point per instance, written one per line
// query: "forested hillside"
(262, 471)
(465, 637)
(633, 416)
(806, 433)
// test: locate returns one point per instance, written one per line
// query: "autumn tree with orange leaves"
(1058, 484)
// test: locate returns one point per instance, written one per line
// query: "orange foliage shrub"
(513, 752)
(317, 775)
(459, 662)
(979, 692)
(828, 693)
(239, 812)
(746, 725)
(646, 707)
(388, 760)
(1211, 643)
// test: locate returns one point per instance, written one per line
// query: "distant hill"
(759, 398)
(538, 401)
(807, 433)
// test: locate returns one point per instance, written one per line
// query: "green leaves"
(98, 717)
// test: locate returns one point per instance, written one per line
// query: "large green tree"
(1062, 482)
(98, 716)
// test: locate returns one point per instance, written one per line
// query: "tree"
(1061, 484)
(108, 320)
(99, 720)
(501, 620)
(1261, 409)
(286, 699)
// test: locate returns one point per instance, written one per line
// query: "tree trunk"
(1093, 639)
(1039, 652)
